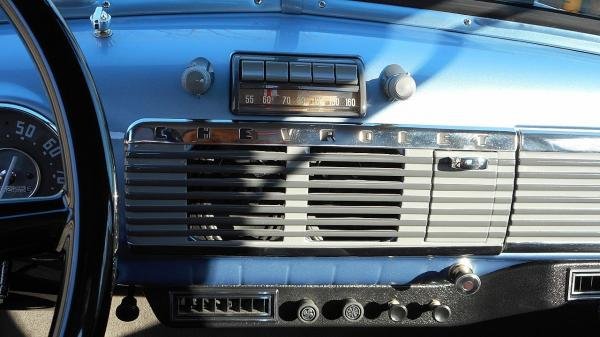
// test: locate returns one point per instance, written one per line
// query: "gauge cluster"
(30, 155)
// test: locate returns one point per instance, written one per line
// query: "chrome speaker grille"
(278, 193)
(224, 192)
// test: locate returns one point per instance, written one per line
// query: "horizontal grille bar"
(237, 209)
(372, 197)
(557, 199)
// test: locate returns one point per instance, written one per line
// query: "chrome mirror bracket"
(101, 21)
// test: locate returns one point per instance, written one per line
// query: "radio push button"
(300, 72)
(346, 74)
(323, 73)
(277, 71)
(253, 70)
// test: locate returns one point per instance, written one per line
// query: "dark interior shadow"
(581, 318)
(8, 328)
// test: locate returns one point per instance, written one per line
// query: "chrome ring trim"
(35, 114)
(45, 121)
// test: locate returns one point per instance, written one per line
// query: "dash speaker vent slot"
(584, 284)
(218, 304)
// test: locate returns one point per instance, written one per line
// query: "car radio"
(297, 85)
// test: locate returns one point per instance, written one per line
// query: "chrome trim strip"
(317, 134)
(559, 140)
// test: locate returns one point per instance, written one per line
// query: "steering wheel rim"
(86, 206)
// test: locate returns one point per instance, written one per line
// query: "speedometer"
(30, 154)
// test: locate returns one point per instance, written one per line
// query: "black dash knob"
(198, 77)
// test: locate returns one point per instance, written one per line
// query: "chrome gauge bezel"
(44, 121)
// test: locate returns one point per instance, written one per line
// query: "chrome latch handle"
(468, 163)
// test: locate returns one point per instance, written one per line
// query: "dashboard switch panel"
(297, 85)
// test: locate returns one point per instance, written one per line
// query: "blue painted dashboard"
(491, 76)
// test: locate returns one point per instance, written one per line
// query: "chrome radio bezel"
(237, 83)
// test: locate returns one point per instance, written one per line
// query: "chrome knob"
(441, 313)
(396, 83)
(198, 77)
(352, 311)
(308, 312)
(397, 311)
(464, 279)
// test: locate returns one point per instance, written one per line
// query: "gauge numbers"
(30, 155)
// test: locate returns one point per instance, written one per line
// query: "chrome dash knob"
(441, 313)
(397, 311)
(464, 279)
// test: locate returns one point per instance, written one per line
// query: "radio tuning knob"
(397, 84)
(198, 77)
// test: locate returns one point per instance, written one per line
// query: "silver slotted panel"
(471, 205)
(557, 199)
(319, 196)
(277, 195)
(198, 184)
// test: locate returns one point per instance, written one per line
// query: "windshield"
(576, 15)
(582, 7)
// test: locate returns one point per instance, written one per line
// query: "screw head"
(467, 22)
(105, 4)
(257, 2)
(322, 4)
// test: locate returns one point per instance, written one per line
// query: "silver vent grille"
(276, 194)
(557, 199)
(266, 188)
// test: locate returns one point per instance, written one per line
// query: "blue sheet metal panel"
(294, 271)
(463, 80)
(20, 82)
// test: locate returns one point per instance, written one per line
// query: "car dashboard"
(339, 163)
